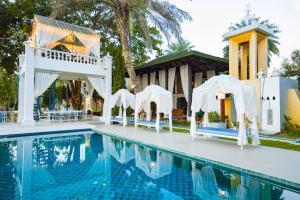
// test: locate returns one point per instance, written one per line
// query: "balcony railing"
(66, 56)
(8, 116)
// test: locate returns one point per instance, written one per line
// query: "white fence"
(8, 116)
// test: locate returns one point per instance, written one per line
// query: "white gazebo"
(164, 104)
(123, 99)
(44, 62)
(204, 98)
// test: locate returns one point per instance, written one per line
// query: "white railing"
(8, 116)
(66, 56)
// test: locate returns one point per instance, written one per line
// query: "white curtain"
(99, 85)
(46, 35)
(90, 41)
(171, 78)
(88, 93)
(184, 72)
(210, 73)
(162, 78)
(48, 31)
(43, 81)
(198, 79)
(145, 81)
(152, 78)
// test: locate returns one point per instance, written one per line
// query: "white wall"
(275, 87)
(270, 90)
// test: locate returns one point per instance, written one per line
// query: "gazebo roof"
(64, 25)
(197, 60)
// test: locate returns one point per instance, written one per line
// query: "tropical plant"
(291, 66)
(8, 89)
(214, 117)
(249, 19)
(123, 14)
(179, 46)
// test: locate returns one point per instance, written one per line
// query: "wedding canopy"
(161, 97)
(48, 33)
(156, 166)
(122, 98)
(204, 98)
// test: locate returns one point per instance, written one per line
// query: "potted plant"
(215, 120)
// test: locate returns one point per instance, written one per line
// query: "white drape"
(210, 73)
(198, 79)
(245, 100)
(184, 72)
(43, 81)
(48, 31)
(92, 43)
(99, 85)
(88, 93)
(162, 99)
(162, 78)
(46, 35)
(171, 78)
(145, 81)
(152, 78)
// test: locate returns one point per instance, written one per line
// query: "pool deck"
(275, 162)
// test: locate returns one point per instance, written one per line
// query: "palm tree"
(179, 46)
(249, 19)
(165, 16)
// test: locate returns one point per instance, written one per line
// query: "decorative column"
(28, 85)
(20, 98)
(233, 58)
(244, 62)
(263, 56)
(107, 60)
(253, 55)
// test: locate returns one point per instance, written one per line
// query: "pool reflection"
(88, 165)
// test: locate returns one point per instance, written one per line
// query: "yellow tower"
(248, 54)
(248, 51)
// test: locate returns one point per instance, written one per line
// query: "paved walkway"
(280, 163)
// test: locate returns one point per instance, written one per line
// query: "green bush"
(290, 128)
(214, 117)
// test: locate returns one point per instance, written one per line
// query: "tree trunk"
(122, 19)
(76, 98)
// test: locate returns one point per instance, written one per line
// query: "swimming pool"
(88, 165)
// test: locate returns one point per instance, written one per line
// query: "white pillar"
(28, 85)
(20, 99)
(108, 86)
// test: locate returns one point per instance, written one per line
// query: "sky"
(211, 19)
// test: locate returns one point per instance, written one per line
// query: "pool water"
(88, 165)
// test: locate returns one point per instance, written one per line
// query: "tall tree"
(249, 19)
(291, 66)
(8, 89)
(179, 46)
(123, 13)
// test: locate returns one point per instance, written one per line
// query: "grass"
(268, 143)
(291, 134)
